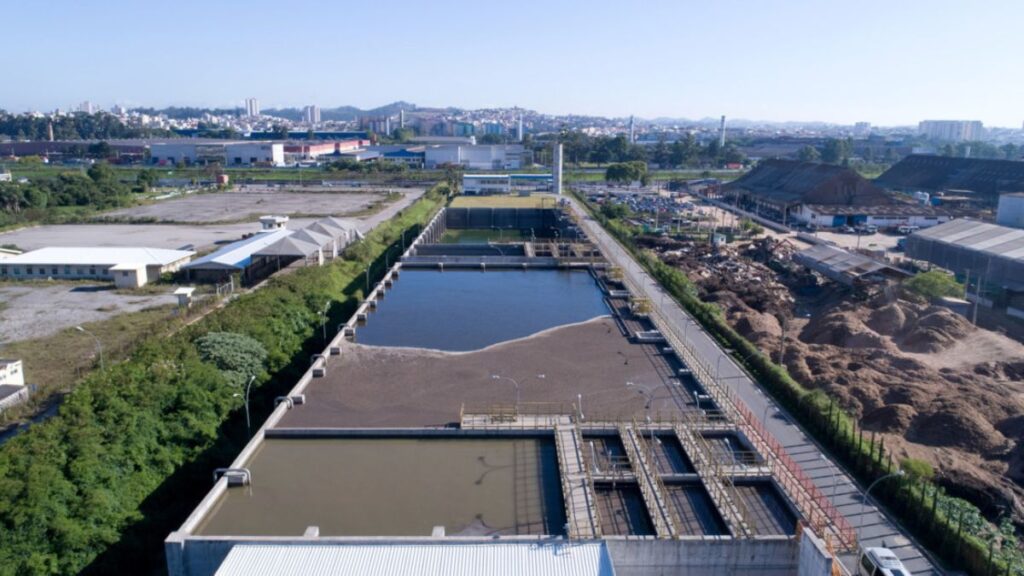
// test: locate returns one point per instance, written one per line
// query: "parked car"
(905, 230)
(847, 230)
(880, 562)
(866, 230)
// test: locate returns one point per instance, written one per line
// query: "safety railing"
(652, 488)
(817, 509)
(581, 513)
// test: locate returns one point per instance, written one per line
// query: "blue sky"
(887, 62)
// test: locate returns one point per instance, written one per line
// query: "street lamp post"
(863, 504)
(832, 469)
(323, 320)
(718, 364)
(514, 382)
(99, 345)
(248, 422)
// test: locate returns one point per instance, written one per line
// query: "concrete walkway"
(873, 527)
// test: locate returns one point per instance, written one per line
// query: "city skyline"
(891, 65)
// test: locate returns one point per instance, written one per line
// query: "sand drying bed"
(406, 387)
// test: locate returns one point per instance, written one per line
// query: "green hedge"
(98, 486)
(981, 548)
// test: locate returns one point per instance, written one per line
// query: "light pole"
(718, 364)
(863, 504)
(833, 470)
(323, 319)
(579, 405)
(99, 345)
(248, 423)
(514, 382)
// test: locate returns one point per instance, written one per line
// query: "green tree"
(626, 172)
(1010, 151)
(934, 284)
(279, 132)
(237, 356)
(147, 178)
(101, 172)
(100, 150)
(809, 154)
(836, 151)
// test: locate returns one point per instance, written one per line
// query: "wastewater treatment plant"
(505, 397)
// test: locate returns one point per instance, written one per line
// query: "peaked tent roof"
(312, 236)
(288, 247)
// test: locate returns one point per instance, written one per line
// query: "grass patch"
(505, 201)
(55, 373)
(480, 236)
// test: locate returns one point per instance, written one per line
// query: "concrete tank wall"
(509, 218)
(761, 557)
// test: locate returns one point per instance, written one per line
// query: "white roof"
(239, 254)
(99, 255)
(469, 559)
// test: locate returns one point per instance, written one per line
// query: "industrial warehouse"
(789, 191)
(126, 267)
(585, 428)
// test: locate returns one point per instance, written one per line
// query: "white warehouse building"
(125, 267)
(483, 157)
(224, 153)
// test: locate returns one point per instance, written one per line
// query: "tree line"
(96, 488)
(685, 152)
(77, 126)
(97, 189)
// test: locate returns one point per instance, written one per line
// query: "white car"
(880, 562)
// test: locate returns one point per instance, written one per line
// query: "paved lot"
(872, 525)
(235, 206)
(36, 310)
(167, 235)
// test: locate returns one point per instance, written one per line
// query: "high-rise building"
(952, 130)
(252, 107)
(312, 114)
(721, 133)
(519, 129)
(87, 107)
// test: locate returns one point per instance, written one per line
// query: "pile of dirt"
(919, 376)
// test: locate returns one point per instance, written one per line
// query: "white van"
(880, 562)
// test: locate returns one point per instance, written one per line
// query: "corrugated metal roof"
(100, 255)
(239, 254)
(838, 264)
(982, 237)
(511, 559)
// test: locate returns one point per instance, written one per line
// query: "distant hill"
(342, 113)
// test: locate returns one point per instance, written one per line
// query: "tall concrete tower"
(632, 133)
(556, 168)
(721, 133)
(519, 129)
(401, 118)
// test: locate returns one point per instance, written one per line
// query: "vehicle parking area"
(249, 204)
